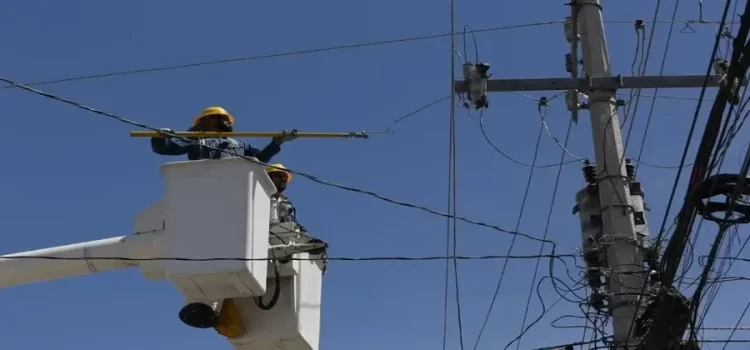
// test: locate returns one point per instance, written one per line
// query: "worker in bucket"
(284, 209)
(216, 119)
(207, 315)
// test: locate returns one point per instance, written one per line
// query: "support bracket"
(600, 83)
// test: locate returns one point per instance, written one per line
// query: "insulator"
(476, 77)
(720, 66)
(735, 96)
(569, 64)
(470, 72)
(582, 96)
(597, 300)
(568, 25)
(639, 209)
(640, 24)
(482, 69)
(589, 173)
(594, 278)
(630, 169)
(592, 256)
(571, 100)
(653, 276)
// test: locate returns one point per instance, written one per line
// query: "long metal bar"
(596, 83)
(359, 135)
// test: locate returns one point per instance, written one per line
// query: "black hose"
(276, 291)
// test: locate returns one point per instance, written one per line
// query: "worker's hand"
(163, 132)
(286, 135)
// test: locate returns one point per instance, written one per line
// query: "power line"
(544, 309)
(668, 97)
(606, 339)
(730, 258)
(656, 90)
(305, 175)
(546, 228)
(310, 51)
(642, 71)
(563, 346)
(508, 157)
(575, 159)
(725, 341)
(686, 21)
(672, 260)
(675, 249)
(542, 112)
(370, 258)
(737, 325)
(451, 225)
(725, 328)
(414, 112)
(648, 124)
(716, 284)
(280, 54)
(451, 214)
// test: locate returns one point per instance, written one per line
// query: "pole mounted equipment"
(612, 208)
(475, 80)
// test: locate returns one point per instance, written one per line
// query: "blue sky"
(73, 176)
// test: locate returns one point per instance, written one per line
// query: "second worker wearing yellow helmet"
(285, 210)
(217, 119)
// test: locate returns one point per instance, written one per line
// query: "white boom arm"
(25, 269)
(214, 208)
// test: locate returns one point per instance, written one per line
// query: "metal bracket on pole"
(600, 83)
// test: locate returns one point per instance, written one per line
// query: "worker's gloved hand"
(162, 131)
(286, 135)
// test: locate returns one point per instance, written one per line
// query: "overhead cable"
(278, 55)
(303, 52)
(542, 110)
(451, 224)
(305, 175)
(341, 258)
(673, 254)
(546, 226)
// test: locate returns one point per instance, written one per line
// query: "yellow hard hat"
(215, 110)
(279, 168)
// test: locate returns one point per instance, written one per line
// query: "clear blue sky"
(71, 176)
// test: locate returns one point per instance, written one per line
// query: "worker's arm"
(265, 154)
(169, 146)
(274, 147)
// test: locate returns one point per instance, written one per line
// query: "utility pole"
(619, 239)
(614, 227)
